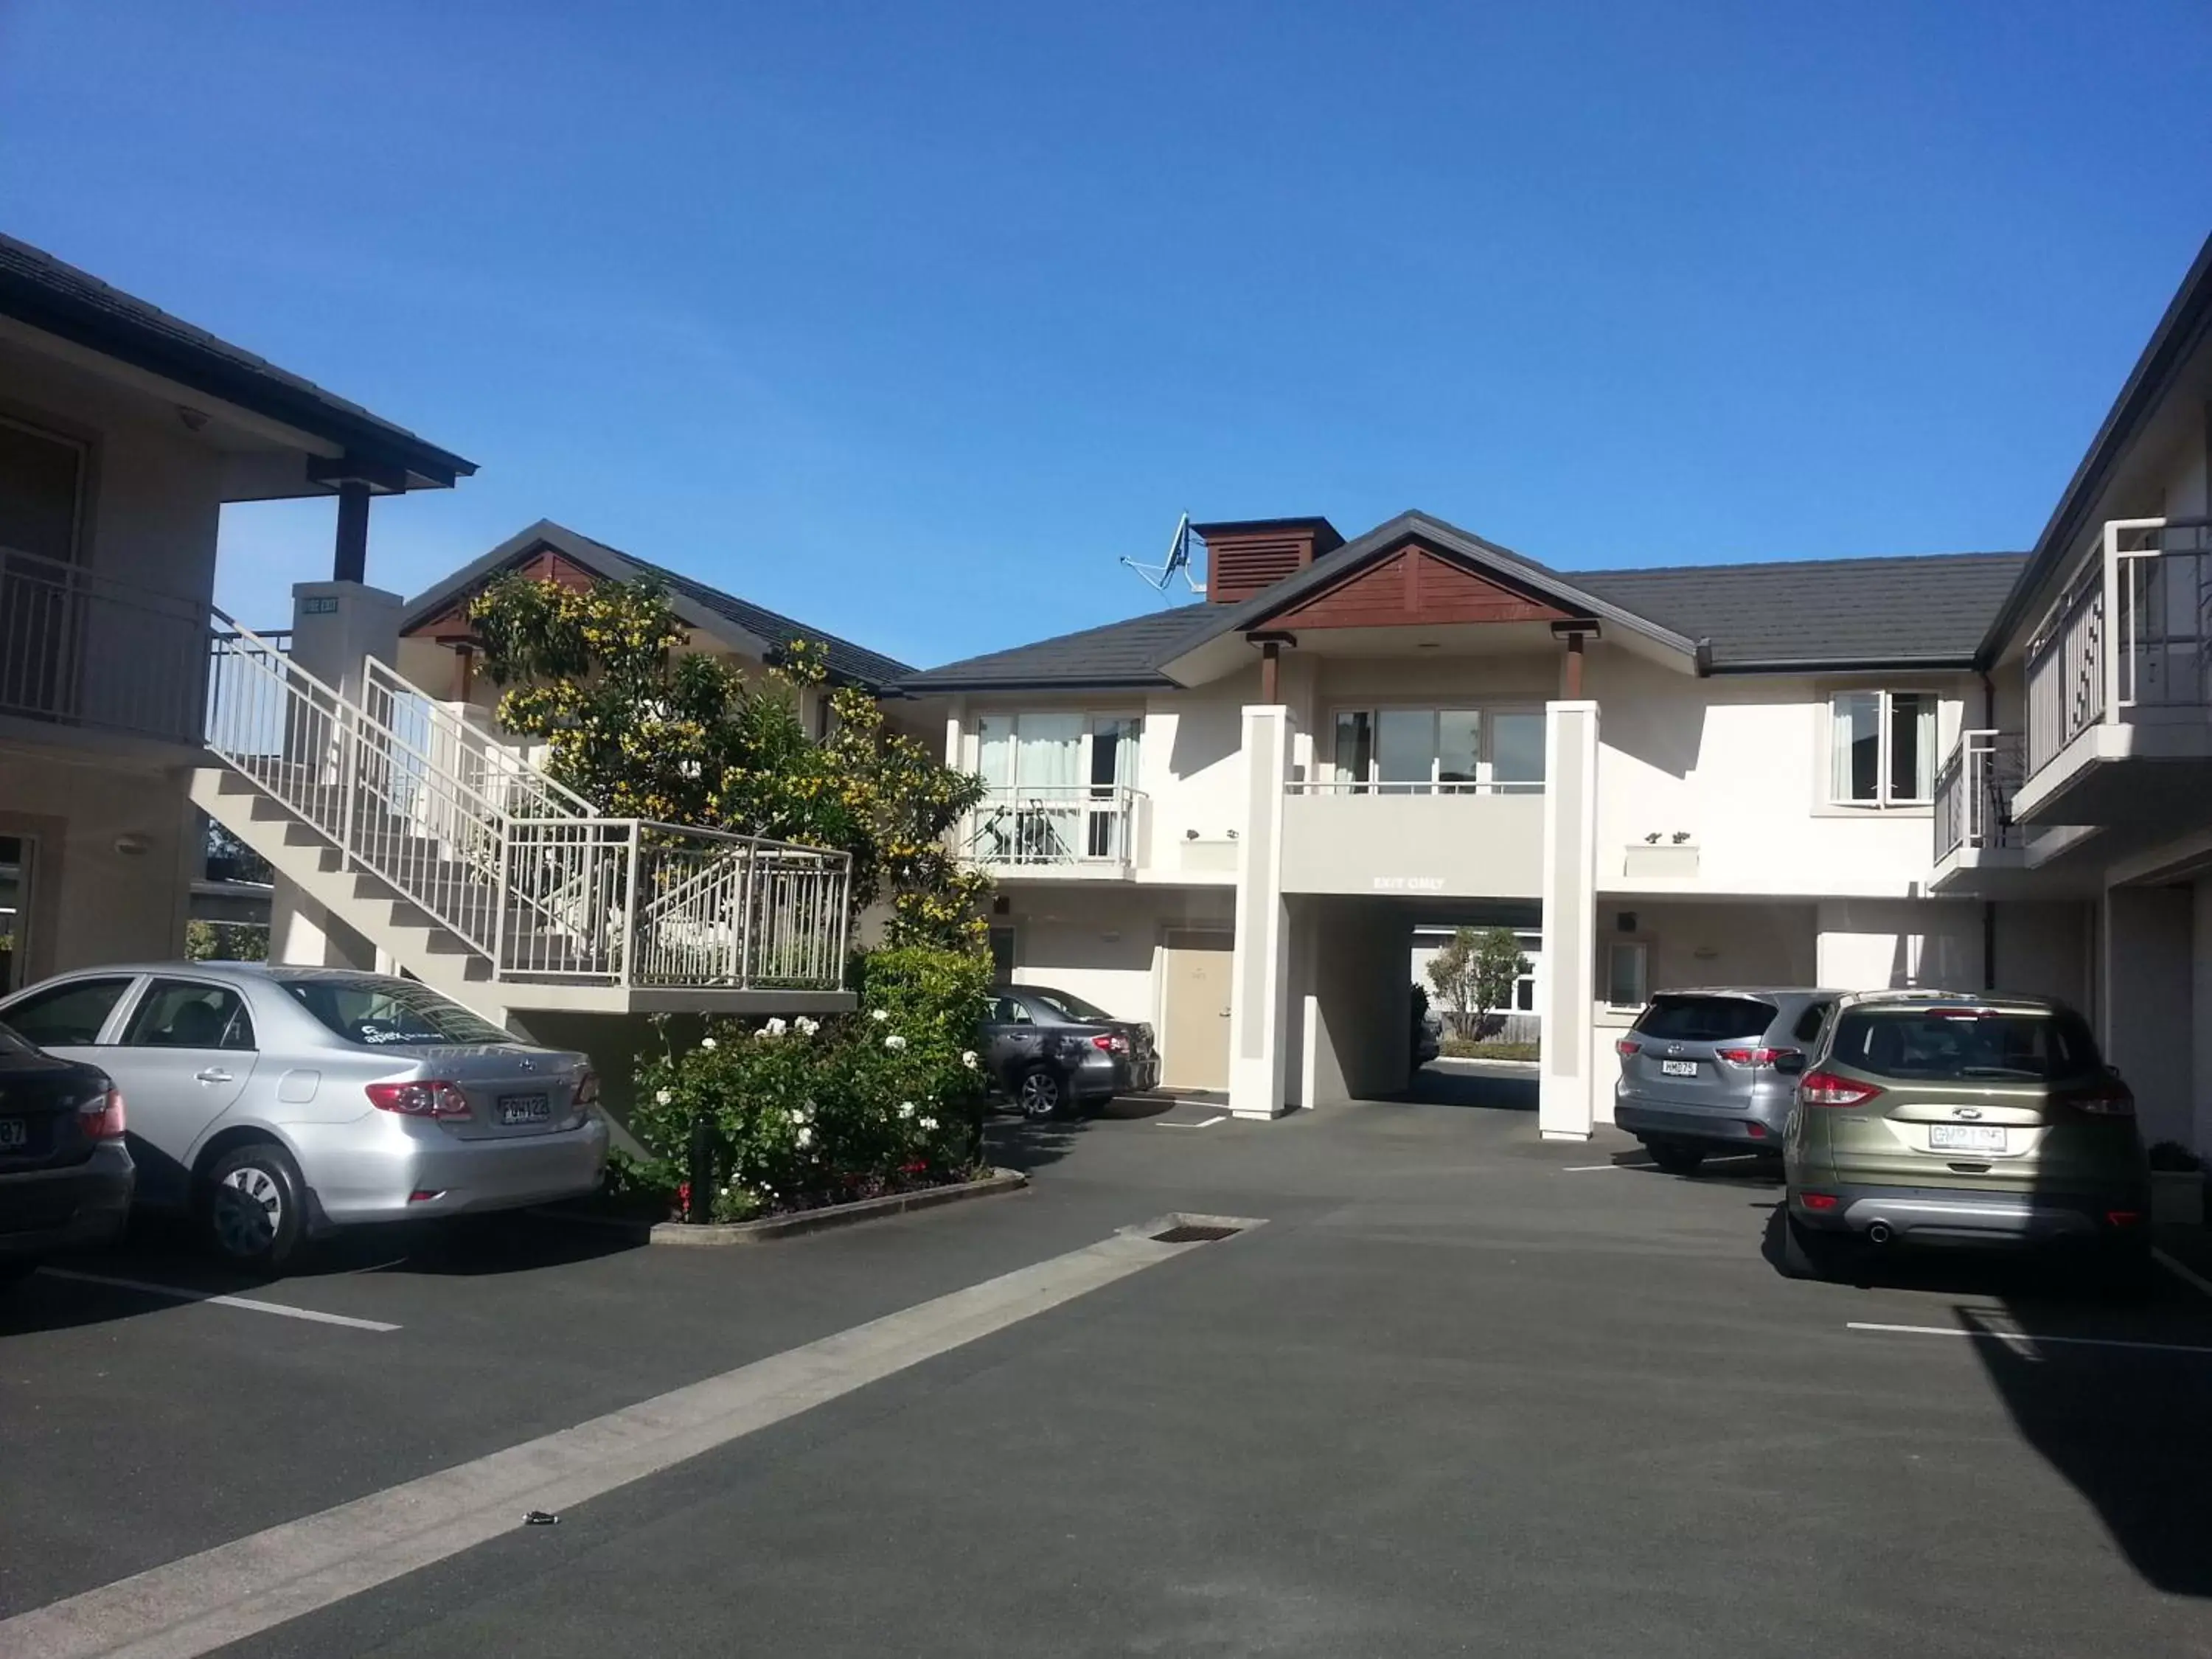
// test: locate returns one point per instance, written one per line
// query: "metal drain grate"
(1191, 1233)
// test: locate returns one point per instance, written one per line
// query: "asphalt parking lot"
(1463, 1391)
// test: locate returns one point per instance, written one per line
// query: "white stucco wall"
(1741, 765)
(115, 849)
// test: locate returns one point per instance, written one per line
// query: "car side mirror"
(2111, 1070)
(1789, 1065)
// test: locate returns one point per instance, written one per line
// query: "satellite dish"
(1157, 577)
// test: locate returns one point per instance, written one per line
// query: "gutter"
(1849, 666)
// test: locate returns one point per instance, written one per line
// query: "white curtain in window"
(994, 750)
(1854, 747)
(1048, 751)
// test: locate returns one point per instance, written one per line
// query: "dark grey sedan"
(1716, 1069)
(1051, 1052)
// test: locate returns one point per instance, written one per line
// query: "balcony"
(83, 651)
(1974, 827)
(1083, 831)
(1445, 840)
(2119, 685)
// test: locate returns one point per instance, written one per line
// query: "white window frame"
(971, 740)
(1883, 800)
(1486, 781)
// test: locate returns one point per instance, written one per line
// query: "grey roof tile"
(1912, 608)
(1123, 654)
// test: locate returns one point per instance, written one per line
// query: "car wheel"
(1810, 1253)
(254, 1205)
(1040, 1094)
(1673, 1157)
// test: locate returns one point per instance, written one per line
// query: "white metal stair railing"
(541, 897)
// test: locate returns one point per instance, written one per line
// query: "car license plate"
(14, 1134)
(1964, 1137)
(525, 1108)
(1678, 1068)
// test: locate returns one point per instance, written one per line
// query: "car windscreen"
(1066, 1006)
(1964, 1044)
(377, 1012)
(1705, 1019)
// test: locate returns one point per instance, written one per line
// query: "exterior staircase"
(469, 868)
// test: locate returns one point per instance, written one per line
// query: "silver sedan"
(274, 1103)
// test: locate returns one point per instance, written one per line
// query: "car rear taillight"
(2109, 1098)
(1827, 1089)
(2124, 1217)
(1111, 1043)
(1817, 1201)
(1626, 1047)
(1753, 1056)
(429, 1098)
(101, 1117)
(587, 1090)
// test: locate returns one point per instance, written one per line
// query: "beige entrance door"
(1194, 1043)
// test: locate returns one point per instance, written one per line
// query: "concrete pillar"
(2147, 949)
(1260, 965)
(336, 627)
(1565, 1083)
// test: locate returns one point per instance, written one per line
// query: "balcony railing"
(1074, 826)
(2132, 636)
(1469, 786)
(83, 650)
(1974, 792)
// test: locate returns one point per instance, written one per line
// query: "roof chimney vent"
(1245, 556)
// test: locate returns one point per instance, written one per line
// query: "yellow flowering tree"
(642, 727)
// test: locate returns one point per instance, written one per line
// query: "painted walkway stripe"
(2027, 1339)
(178, 1293)
(204, 1601)
(1203, 1123)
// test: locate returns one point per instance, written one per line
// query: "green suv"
(1945, 1118)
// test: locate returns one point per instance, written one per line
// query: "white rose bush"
(795, 1115)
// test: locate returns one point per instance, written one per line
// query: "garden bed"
(788, 1223)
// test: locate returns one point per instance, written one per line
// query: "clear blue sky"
(909, 319)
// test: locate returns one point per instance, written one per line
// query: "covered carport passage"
(1350, 1025)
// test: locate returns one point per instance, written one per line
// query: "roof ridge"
(1794, 564)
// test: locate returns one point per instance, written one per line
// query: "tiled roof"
(772, 629)
(1915, 608)
(1123, 654)
(39, 290)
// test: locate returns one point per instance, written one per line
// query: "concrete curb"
(715, 1235)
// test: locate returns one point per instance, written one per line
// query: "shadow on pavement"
(1492, 1091)
(2128, 1426)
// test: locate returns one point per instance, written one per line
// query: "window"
(1808, 1029)
(1623, 974)
(1882, 748)
(67, 1016)
(1946, 1044)
(1009, 1012)
(375, 1012)
(1705, 1019)
(1420, 751)
(1056, 782)
(179, 1014)
(41, 480)
(1068, 1007)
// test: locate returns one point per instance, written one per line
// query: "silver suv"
(1715, 1070)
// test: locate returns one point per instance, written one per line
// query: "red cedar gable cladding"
(452, 623)
(1250, 556)
(1413, 585)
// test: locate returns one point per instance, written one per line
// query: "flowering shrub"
(802, 1113)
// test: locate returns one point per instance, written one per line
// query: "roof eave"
(362, 436)
(2178, 334)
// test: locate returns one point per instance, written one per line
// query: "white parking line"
(1589, 1169)
(2026, 1339)
(2183, 1271)
(204, 1601)
(176, 1293)
(1206, 1124)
